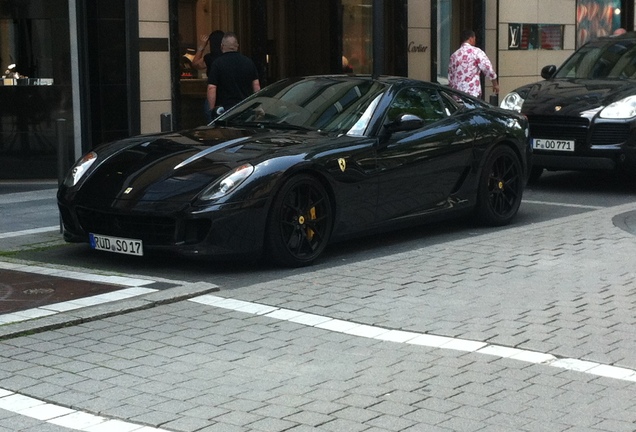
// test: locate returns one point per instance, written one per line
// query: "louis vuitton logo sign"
(514, 36)
(534, 36)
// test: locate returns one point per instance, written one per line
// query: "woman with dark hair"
(201, 61)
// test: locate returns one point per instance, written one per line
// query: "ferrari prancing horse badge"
(342, 164)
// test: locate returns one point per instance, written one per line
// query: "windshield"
(602, 60)
(328, 104)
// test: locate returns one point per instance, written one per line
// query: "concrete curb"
(93, 313)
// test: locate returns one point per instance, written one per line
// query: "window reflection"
(37, 108)
(596, 18)
(316, 104)
(199, 18)
(357, 45)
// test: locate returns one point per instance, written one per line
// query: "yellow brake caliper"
(301, 221)
(312, 216)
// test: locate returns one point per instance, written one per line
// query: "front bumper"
(230, 230)
(619, 157)
(600, 144)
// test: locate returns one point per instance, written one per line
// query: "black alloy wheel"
(500, 188)
(300, 221)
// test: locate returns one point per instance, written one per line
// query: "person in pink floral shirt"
(467, 63)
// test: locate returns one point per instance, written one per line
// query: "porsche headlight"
(623, 109)
(79, 169)
(227, 183)
(513, 102)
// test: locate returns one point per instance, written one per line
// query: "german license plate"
(554, 145)
(116, 244)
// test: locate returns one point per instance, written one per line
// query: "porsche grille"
(578, 129)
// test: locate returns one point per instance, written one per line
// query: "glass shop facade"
(77, 73)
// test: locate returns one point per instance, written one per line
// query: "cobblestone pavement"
(524, 329)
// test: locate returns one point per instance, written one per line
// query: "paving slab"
(522, 329)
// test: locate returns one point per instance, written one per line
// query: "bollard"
(166, 122)
(62, 150)
(62, 157)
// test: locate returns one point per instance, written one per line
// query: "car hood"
(178, 166)
(574, 97)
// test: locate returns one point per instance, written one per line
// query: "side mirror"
(548, 71)
(404, 122)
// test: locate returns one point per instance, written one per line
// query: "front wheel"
(500, 188)
(300, 221)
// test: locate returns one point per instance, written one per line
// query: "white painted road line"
(564, 205)
(29, 231)
(66, 417)
(414, 338)
(20, 197)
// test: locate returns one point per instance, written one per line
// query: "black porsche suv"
(583, 114)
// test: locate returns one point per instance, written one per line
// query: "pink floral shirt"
(464, 67)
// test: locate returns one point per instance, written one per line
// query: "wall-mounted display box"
(535, 36)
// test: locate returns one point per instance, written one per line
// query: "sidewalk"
(55, 295)
(525, 329)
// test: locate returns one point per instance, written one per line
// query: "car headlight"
(79, 169)
(228, 183)
(623, 109)
(513, 102)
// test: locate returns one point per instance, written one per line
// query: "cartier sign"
(417, 48)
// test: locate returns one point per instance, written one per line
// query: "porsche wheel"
(300, 222)
(500, 188)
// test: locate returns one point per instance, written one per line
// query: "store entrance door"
(308, 37)
(302, 38)
(453, 16)
(287, 38)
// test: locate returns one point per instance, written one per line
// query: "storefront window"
(198, 18)
(444, 37)
(357, 47)
(596, 18)
(287, 38)
(535, 36)
(36, 69)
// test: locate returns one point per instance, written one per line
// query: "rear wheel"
(300, 222)
(500, 188)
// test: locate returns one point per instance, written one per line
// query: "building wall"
(515, 68)
(491, 43)
(419, 33)
(154, 66)
(522, 67)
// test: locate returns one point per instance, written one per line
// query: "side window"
(455, 101)
(424, 103)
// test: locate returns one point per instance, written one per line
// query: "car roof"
(631, 36)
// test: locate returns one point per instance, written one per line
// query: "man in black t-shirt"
(232, 77)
